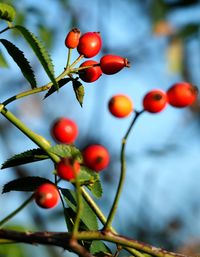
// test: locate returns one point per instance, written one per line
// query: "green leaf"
(99, 247)
(27, 184)
(3, 62)
(88, 217)
(25, 157)
(79, 91)
(21, 61)
(61, 83)
(95, 185)
(67, 151)
(7, 12)
(40, 52)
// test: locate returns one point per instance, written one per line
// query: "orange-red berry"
(120, 105)
(155, 101)
(111, 64)
(68, 169)
(90, 74)
(96, 157)
(47, 195)
(182, 94)
(64, 131)
(72, 38)
(90, 44)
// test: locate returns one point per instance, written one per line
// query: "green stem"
(122, 174)
(68, 57)
(40, 141)
(3, 30)
(12, 214)
(76, 61)
(103, 219)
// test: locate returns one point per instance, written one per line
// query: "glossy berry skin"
(182, 94)
(90, 74)
(47, 196)
(72, 38)
(155, 101)
(120, 106)
(67, 169)
(96, 157)
(90, 44)
(111, 64)
(64, 131)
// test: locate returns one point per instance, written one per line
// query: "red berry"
(90, 44)
(96, 157)
(182, 94)
(155, 101)
(47, 195)
(68, 168)
(64, 131)
(120, 105)
(72, 38)
(90, 74)
(111, 64)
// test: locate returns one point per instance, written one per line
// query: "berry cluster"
(65, 130)
(89, 45)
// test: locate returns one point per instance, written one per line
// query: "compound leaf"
(21, 61)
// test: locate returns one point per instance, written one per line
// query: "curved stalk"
(122, 174)
(12, 214)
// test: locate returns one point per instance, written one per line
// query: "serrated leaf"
(79, 91)
(25, 157)
(27, 184)
(21, 61)
(97, 247)
(95, 185)
(40, 52)
(67, 151)
(7, 12)
(88, 217)
(3, 62)
(61, 83)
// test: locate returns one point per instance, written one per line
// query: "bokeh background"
(160, 203)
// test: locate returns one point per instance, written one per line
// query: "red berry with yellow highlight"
(90, 74)
(96, 157)
(182, 94)
(64, 131)
(120, 105)
(47, 196)
(155, 101)
(90, 44)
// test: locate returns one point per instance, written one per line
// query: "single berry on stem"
(155, 101)
(47, 196)
(64, 131)
(72, 38)
(96, 157)
(90, 74)
(182, 94)
(90, 44)
(120, 105)
(111, 64)
(68, 169)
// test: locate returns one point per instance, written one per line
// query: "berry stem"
(113, 209)
(76, 61)
(12, 214)
(68, 57)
